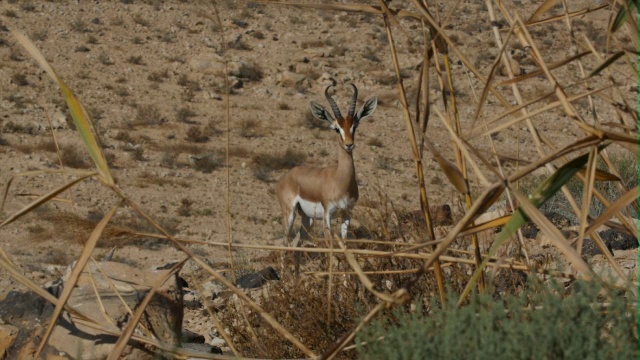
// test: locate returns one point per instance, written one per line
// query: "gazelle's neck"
(346, 166)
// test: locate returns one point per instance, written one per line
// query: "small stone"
(218, 342)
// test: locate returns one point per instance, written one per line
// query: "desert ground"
(151, 75)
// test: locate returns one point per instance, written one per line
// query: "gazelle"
(316, 193)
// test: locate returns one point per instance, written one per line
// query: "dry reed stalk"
(133, 322)
(424, 200)
(43, 199)
(227, 139)
(59, 157)
(462, 157)
(364, 279)
(75, 275)
(217, 323)
(587, 195)
(241, 294)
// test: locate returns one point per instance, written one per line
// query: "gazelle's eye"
(337, 130)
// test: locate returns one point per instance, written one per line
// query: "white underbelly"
(316, 210)
(311, 209)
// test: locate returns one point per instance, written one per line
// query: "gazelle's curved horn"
(334, 106)
(354, 100)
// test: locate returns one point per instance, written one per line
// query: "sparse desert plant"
(124, 136)
(92, 40)
(185, 207)
(79, 26)
(75, 158)
(169, 159)
(168, 37)
(239, 44)
(40, 35)
(158, 76)
(137, 152)
(184, 115)
(47, 146)
(240, 23)
(250, 72)
(19, 79)
(147, 115)
(138, 19)
(265, 163)
(81, 48)
(105, 59)
(183, 80)
(207, 162)
(194, 134)
(284, 106)
(384, 163)
(58, 256)
(136, 60)
(239, 151)
(10, 13)
(249, 128)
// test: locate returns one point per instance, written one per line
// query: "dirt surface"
(150, 73)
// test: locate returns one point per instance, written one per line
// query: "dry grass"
(265, 163)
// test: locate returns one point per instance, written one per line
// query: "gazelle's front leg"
(344, 228)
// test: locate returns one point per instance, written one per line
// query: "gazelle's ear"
(367, 109)
(320, 112)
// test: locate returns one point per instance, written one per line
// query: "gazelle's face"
(346, 129)
(344, 126)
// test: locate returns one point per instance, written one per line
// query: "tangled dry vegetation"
(536, 135)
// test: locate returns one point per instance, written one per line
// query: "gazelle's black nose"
(349, 147)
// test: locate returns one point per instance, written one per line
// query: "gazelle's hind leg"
(301, 236)
(307, 224)
(288, 216)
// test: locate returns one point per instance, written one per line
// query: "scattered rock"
(618, 240)
(291, 79)
(203, 348)
(515, 68)
(558, 220)
(163, 315)
(218, 342)
(544, 241)
(191, 337)
(613, 239)
(8, 335)
(255, 280)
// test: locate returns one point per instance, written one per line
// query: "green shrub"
(542, 324)
(626, 165)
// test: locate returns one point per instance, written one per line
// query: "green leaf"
(606, 64)
(621, 16)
